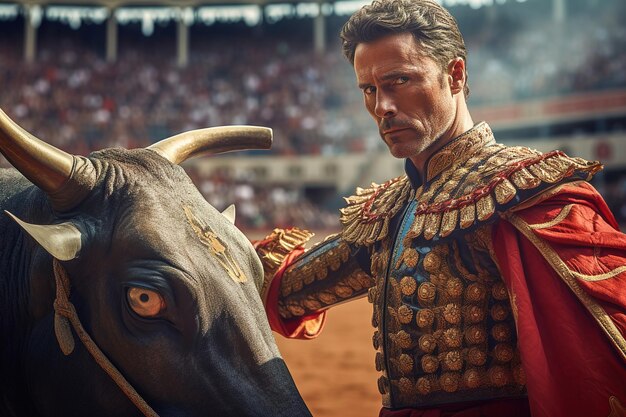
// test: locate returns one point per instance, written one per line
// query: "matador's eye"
(369, 90)
(145, 302)
(401, 80)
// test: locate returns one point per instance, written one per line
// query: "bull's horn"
(62, 241)
(213, 140)
(64, 177)
(229, 213)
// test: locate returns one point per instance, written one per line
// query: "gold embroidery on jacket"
(462, 189)
(379, 263)
(558, 219)
(476, 196)
(462, 145)
(599, 277)
(367, 215)
(278, 245)
(351, 286)
(439, 340)
(617, 409)
(298, 297)
(296, 277)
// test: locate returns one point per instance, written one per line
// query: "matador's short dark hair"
(432, 25)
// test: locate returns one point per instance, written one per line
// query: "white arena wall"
(344, 172)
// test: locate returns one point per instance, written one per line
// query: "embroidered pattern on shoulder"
(463, 146)
(494, 180)
(366, 218)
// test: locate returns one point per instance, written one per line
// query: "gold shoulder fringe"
(366, 218)
(480, 203)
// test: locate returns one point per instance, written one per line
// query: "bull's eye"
(145, 302)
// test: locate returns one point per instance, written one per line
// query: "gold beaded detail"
(425, 317)
(430, 363)
(452, 313)
(499, 291)
(499, 312)
(503, 352)
(427, 343)
(454, 288)
(453, 361)
(405, 363)
(474, 314)
(432, 262)
(501, 332)
(426, 293)
(405, 314)
(452, 338)
(410, 257)
(449, 327)
(450, 381)
(408, 285)
(402, 339)
(423, 386)
(298, 295)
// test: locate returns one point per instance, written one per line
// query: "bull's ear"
(229, 213)
(62, 241)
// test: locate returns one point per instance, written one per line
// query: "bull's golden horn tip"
(213, 140)
(269, 137)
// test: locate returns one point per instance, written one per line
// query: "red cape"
(564, 262)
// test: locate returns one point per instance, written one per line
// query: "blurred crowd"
(264, 207)
(74, 99)
(542, 60)
(77, 100)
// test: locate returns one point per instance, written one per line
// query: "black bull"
(165, 286)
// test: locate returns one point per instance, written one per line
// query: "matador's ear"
(457, 75)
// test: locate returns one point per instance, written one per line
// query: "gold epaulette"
(494, 181)
(366, 218)
(469, 192)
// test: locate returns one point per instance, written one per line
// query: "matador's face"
(406, 92)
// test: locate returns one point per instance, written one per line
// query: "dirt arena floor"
(335, 373)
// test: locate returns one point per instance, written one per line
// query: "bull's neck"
(18, 254)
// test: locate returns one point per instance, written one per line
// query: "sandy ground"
(335, 373)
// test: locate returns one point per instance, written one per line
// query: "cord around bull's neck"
(64, 314)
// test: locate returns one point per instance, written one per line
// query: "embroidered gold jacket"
(422, 253)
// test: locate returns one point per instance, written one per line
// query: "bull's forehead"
(159, 214)
(190, 235)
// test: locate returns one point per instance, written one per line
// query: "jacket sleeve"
(563, 260)
(302, 285)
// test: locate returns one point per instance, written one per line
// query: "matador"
(497, 278)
